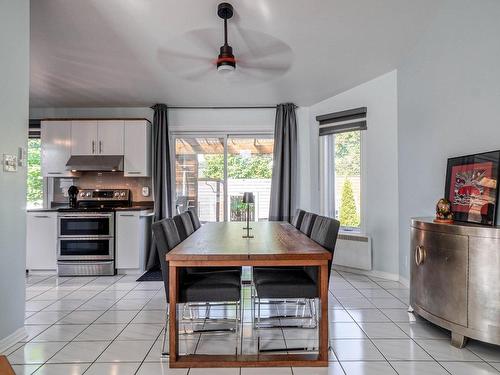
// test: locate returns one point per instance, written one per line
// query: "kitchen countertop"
(134, 207)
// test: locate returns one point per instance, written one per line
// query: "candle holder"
(248, 199)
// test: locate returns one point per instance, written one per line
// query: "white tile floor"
(113, 325)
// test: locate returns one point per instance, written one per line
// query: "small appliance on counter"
(86, 231)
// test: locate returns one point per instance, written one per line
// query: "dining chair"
(307, 223)
(298, 217)
(194, 219)
(195, 288)
(295, 284)
(184, 225)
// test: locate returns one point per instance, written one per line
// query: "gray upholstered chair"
(194, 219)
(184, 225)
(195, 288)
(307, 223)
(298, 283)
(297, 218)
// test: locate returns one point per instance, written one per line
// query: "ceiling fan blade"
(268, 66)
(258, 45)
(206, 40)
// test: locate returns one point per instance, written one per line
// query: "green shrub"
(348, 215)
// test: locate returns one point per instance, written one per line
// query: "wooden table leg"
(172, 323)
(323, 322)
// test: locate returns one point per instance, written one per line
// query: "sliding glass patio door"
(213, 171)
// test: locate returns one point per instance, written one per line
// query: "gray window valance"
(343, 121)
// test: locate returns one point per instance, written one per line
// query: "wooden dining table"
(273, 244)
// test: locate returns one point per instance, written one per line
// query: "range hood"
(97, 163)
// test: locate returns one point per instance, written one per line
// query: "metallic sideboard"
(455, 278)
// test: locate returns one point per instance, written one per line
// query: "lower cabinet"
(132, 240)
(41, 240)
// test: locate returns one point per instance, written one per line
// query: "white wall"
(449, 104)
(379, 155)
(14, 68)
(179, 119)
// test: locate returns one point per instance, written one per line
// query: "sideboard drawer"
(439, 265)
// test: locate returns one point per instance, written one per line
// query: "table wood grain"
(222, 244)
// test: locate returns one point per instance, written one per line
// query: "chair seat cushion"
(287, 283)
(212, 287)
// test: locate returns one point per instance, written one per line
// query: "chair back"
(166, 237)
(184, 225)
(307, 223)
(194, 219)
(324, 232)
(297, 219)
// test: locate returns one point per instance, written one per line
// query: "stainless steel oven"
(81, 225)
(86, 244)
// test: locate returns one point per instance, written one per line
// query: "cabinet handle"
(54, 172)
(100, 147)
(127, 215)
(93, 147)
(420, 255)
(134, 172)
(41, 216)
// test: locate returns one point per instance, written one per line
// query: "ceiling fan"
(261, 57)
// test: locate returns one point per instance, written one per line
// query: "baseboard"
(12, 339)
(374, 273)
(404, 281)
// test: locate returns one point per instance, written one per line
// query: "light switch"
(145, 191)
(9, 163)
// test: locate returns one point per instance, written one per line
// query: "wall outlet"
(145, 191)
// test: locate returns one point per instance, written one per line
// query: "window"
(212, 173)
(34, 181)
(341, 178)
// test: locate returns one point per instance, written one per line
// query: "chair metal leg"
(165, 329)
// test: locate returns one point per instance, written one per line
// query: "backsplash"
(103, 180)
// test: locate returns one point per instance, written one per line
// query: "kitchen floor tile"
(442, 350)
(65, 305)
(368, 368)
(334, 368)
(113, 368)
(214, 371)
(140, 332)
(24, 369)
(126, 351)
(388, 303)
(400, 315)
(150, 316)
(60, 332)
(469, 368)
(100, 332)
(265, 371)
(80, 317)
(33, 353)
(62, 369)
(346, 331)
(80, 351)
(383, 331)
(401, 350)
(418, 368)
(424, 330)
(368, 315)
(487, 352)
(46, 317)
(355, 350)
(116, 316)
(160, 368)
(34, 330)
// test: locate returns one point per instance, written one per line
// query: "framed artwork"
(472, 187)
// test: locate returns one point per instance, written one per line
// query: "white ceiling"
(125, 52)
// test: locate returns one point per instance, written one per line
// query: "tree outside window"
(35, 180)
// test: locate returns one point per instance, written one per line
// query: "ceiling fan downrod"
(226, 61)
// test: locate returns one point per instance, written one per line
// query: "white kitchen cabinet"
(41, 240)
(84, 137)
(110, 137)
(132, 240)
(56, 148)
(137, 157)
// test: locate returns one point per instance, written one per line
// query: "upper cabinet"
(56, 148)
(137, 159)
(84, 137)
(62, 139)
(92, 137)
(110, 137)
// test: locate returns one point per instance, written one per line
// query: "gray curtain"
(284, 183)
(161, 173)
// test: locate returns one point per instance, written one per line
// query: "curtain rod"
(236, 107)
